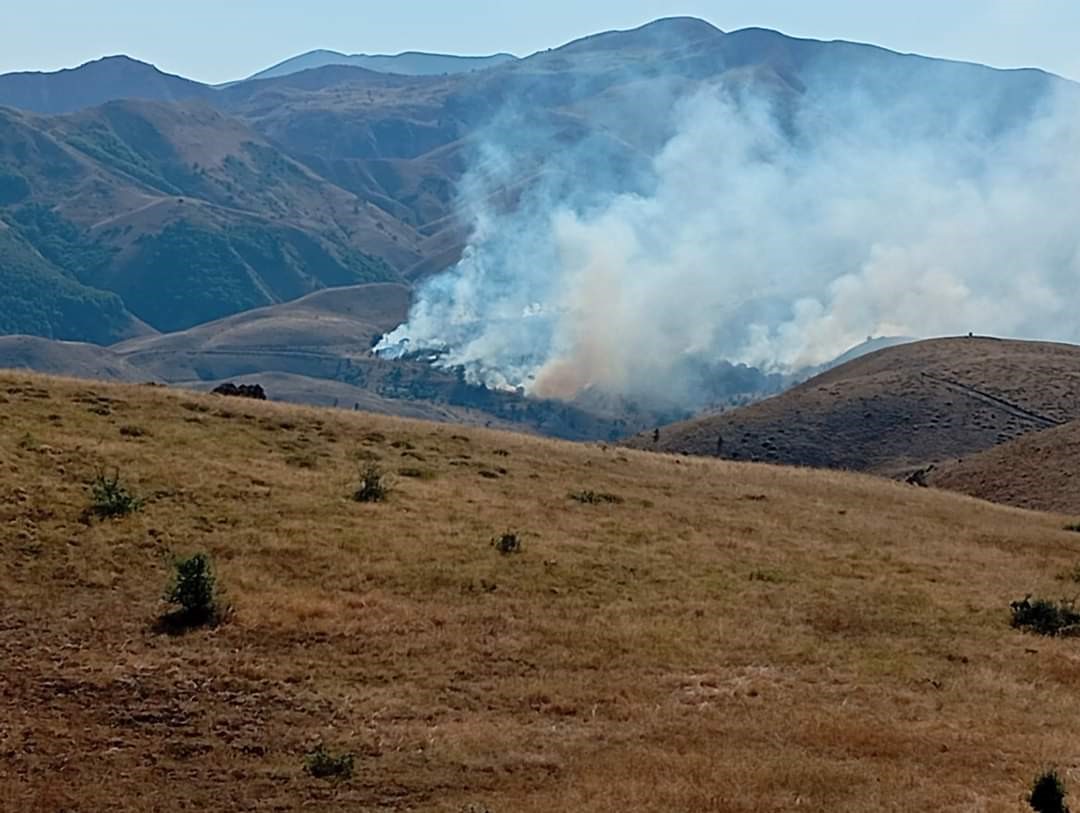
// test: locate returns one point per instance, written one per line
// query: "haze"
(217, 42)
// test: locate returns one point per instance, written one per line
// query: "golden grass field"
(729, 637)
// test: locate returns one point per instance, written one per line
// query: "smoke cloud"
(767, 228)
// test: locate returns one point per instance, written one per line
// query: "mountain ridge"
(411, 63)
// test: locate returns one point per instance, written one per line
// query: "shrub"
(508, 543)
(596, 497)
(109, 498)
(322, 764)
(1074, 527)
(374, 486)
(1046, 617)
(1048, 794)
(194, 588)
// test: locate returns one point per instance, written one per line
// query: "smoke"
(767, 228)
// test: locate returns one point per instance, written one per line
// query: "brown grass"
(727, 638)
(1037, 471)
(897, 409)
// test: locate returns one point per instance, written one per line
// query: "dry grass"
(897, 409)
(727, 638)
(1037, 471)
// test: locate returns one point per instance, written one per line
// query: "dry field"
(722, 637)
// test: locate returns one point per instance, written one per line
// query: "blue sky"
(218, 40)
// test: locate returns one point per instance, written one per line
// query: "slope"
(75, 359)
(716, 636)
(313, 335)
(898, 408)
(1038, 471)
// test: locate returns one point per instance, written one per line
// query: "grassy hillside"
(898, 408)
(687, 634)
(1036, 471)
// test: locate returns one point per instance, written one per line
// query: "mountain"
(410, 63)
(897, 409)
(185, 213)
(671, 634)
(94, 83)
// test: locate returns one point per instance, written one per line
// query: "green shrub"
(508, 543)
(109, 498)
(1075, 527)
(1046, 617)
(1048, 794)
(193, 588)
(374, 486)
(322, 764)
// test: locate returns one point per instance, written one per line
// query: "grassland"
(716, 637)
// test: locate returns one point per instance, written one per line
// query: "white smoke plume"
(762, 232)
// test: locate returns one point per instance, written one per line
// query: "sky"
(221, 40)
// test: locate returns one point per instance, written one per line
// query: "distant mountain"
(410, 63)
(94, 83)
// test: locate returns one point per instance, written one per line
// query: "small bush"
(768, 576)
(1074, 527)
(1048, 794)
(322, 764)
(1046, 617)
(508, 543)
(596, 498)
(193, 588)
(109, 498)
(374, 486)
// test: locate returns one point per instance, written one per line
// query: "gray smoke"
(762, 229)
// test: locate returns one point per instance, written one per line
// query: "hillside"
(37, 298)
(74, 359)
(1040, 471)
(186, 214)
(897, 409)
(695, 645)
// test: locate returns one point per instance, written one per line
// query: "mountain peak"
(664, 32)
(117, 76)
